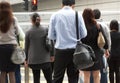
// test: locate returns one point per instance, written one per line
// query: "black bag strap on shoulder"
(16, 30)
(77, 30)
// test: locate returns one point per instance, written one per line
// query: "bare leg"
(3, 77)
(86, 76)
(96, 76)
(12, 77)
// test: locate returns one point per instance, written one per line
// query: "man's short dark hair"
(68, 2)
(97, 13)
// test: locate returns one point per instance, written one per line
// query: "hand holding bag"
(83, 56)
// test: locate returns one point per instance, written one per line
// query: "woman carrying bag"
(7, 42)
(91, 39)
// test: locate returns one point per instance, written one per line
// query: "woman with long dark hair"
(8, 30)
(91, 39)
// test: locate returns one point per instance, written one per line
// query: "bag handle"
(77, 30)
(16, 31)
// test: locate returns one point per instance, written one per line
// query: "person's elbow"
(84, 34)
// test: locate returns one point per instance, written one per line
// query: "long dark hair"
(6, 16)
(36, 19)
(89, 18)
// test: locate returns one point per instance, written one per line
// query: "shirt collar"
(67, 7)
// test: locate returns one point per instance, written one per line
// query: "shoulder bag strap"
(17, 36)
(77, 30)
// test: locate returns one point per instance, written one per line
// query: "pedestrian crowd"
(51, 49)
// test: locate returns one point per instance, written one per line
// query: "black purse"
(83, 56)
(48, 42)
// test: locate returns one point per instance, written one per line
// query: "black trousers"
(47, 71)
(64, 61)
(114, 67)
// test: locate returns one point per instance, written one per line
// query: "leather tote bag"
(48, 42)
(101, 40)
(83, 56)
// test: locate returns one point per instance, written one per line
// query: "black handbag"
(83, 56)
(48, 42)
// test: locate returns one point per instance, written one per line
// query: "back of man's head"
(97, 13)
(68, 2)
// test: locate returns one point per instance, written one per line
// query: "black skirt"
(6, 64)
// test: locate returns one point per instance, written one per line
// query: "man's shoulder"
(104, 26)
(102, 23)
(54, 14)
